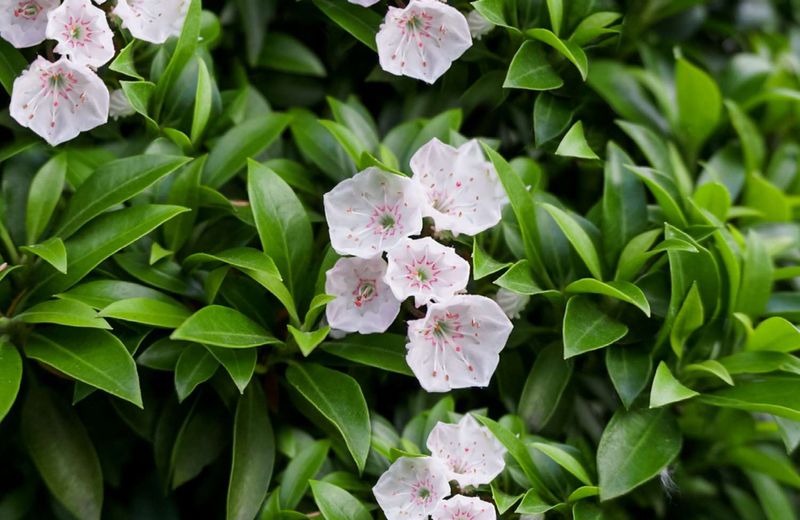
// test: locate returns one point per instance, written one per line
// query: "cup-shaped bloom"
(59, 100)
(460, 507)
(364, 303)
(479, 26)
(153, 21)
(372, 211)
(119, 105)
(512, 303)
(422, 40)
(462, 189)
(458, 342)
(425, 269)
(82, 33)
(23, 22)
(471, 452)
(411, 488)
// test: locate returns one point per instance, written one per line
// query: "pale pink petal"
(460, 507)
(411, 488)
(473, 455)
(82, 33)
(23, 22)
(152, 20)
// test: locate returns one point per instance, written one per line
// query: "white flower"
(512, 303)
(370, 212)
(411, 488)
(152, 20)
(119, 105)
(471, 452)
(23, 22)
(364, 3)
(463, 190)
(422, 40)
(364, 303)
(59, 100)
(460, 507)
(82, 33)
(457, 343)
(425, 269)
(478, 24)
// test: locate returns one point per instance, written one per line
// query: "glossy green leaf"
(579, 239)
(195, 365)
(288, 54)
(689, 319)
(51, 251)
(202, 104)
(482, 264)
(771, 394)
(223, 327)
(587, 328)
(102, 293)
(299, 472)
(307, 341)
(574, 144)
(551, 117)
(10, 376)
(565, 460)
(70, 313)
(624, 291)
(239, 363)
(147, 311)
(337, 504)
(629, 368)
(775, 334)
(699, 103)
(568, 49)
(188, 40)
(12, 63)
(383, 351)
(624, 206)
(667, 389)
(546, 385)
(43, 195)
(530, 69)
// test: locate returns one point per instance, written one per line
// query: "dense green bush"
(164, 349)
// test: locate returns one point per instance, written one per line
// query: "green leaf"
(202, 102)
(587, 328)
(361, 23)
(712, 367)
(102, 293)
(544, 388)
(635, 447)
(300, 470)
(775, 334)
(482, 264)
(51, 251)
(579, 239)
(519, 451)
(184, 50)
(338, 398)
(158, 253)
(593, 26)
(12, 63)
(288, 54)
(10, 376)
(282, 223)
(530, 69)
(147, 311)
(383, 351)
(532, 504)
(503, 501)
(565, 460)
(307, 341)
(752, 142)
(199, 440)
(519, 280)
(243, 141)
(629, 368)
(556, 10)
(624, 205)
(239, 363)
(699, 104)
(43, 196)
(771, 394)
(124, 62)
(223, 327)
(756, 285)
(163, 354)
(63, 453)
(95, 357)
(574, 144)
(715, 198)
(346, 139)
(689, 319)
(776, 505)
(253, 455)
(114, 183)
(254, 16)
(195, 365)
(337, 504)
(624, 291)
(139, 94)
(551, 117)
(665, 193)
(185, 191)
(352, 116)
(99, 240)
(568, 49)
(70, 313)
(667, 389)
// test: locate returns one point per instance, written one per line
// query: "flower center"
(28, 10)
(78, 32)
(57, 81)
(365, 292)
(422, 491)
(445, 327)
(423, 273)
(386, 220)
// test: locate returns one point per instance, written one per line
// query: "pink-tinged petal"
(364, 3)
(23, 22)
(371, 212)
(422, 40)
(425, 269)
(479, 26)
(152, 20)
(82, 33)
(412, 488)
(364, 303)
(512, 303)
(458, 342)
(460, 507)
(472, 454)
(462, 189)
(59, 100)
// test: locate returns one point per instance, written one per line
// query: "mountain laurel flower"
(59, 100)
(119, 105)
(512, 303)
(364, 3)
(460, 507)
(23, 22)
(425, 269)
(153, 21)
(82, 33)
(463, 191)
(422, 40)
(479, 26)
(372, 211)
(457, 344)
(472, 453)
(364, 303)
(411, 488)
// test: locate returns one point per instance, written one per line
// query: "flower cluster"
(59, 100)
(457, 342)
(416, 487)
(423, 39)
